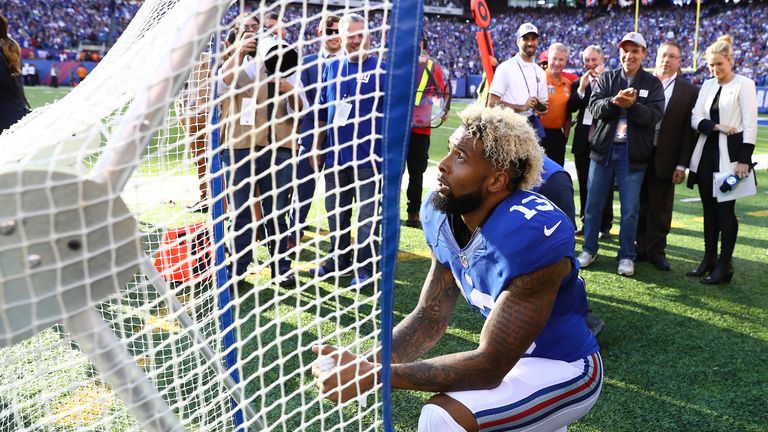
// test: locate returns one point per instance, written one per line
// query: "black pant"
(554, 145)
(657, 199)
(582, 173)
(418, 156)
(719, 217)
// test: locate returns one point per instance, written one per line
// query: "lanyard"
(669, 84)
(526, 80)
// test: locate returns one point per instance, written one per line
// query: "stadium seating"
(39, 24)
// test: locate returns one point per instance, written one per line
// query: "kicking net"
(159, 267)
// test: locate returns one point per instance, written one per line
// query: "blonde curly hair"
(509, 143)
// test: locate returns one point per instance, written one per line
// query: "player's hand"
(346, 378)
(678, 176)
(728, 130)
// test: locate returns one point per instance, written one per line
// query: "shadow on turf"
(666, 371)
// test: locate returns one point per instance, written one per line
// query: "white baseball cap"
(635, 38)
(527, 28)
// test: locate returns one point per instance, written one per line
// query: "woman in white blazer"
(726, 117)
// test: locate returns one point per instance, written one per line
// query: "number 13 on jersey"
(532, 208)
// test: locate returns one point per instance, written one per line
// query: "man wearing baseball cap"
(519, 83)
(626, 103)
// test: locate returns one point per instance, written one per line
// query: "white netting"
(74, 231)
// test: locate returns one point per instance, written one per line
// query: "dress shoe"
(344, 269)
(604, 235)
(287, 282)
(706, 266)
(661, 264)
(413, 220)
(721, 274)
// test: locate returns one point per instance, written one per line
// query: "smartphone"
(540, 106)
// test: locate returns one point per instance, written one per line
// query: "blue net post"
(227, 315)
(403, 44)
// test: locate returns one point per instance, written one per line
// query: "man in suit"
(627, 104)
(581, 91)
(673, 146)
(311, 75)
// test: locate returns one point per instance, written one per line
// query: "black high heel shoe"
(721, 274)
(705, 267)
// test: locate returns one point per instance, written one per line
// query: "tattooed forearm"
(518, 316)
(423, 327)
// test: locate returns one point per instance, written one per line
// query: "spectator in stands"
(312, 70)
(557, 120)
(258, 152)
(726, 117)
(581, 91)
(430, 81)
(13, 103)
(627, 104)
(673, 145)
(519, 83)
(354, 152)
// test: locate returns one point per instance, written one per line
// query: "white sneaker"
(585, 259)
(626, 267)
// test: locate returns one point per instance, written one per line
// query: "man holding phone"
(627, 104)
(519, 83)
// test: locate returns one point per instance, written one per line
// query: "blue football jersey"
(524, 233)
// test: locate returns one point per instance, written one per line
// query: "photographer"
(259, 116)
(627, 104)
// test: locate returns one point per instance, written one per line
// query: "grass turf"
(678, 355)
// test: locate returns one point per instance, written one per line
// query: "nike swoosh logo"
(548, 231)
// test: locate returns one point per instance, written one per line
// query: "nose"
(442, 166)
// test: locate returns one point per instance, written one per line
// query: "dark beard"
(461, 205)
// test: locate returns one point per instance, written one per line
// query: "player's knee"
(435, 419)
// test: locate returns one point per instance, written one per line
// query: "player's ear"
(498, 181)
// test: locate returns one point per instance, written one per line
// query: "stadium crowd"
(60, 28)
(453, 43)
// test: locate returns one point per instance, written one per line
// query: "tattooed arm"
(424, 327)
(518, 316)
(414, 336)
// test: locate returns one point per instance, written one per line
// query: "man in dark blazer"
(311, 74)
(627, 104)
(581, 90)
(673, 146)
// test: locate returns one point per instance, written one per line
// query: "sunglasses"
(331, 32)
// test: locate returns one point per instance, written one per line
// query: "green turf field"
(678, 355)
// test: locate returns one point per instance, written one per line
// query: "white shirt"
(516, 80)
(669, 87)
